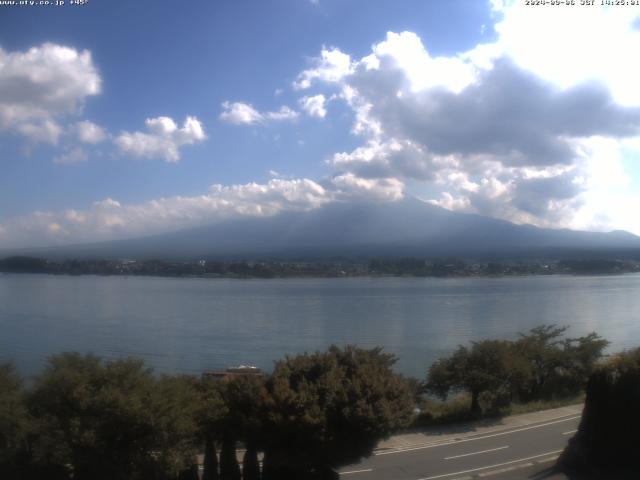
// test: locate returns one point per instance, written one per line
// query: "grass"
(456, 410)
(435, 412)
(517, 408)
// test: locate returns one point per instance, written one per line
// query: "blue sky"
(120, 118)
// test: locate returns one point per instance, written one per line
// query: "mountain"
(405, 228)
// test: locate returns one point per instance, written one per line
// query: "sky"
(121, 119)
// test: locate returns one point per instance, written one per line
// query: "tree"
(93, 419)
(541, 347)
(488, 366)
(114, 420)
(557, 366)
(14, 422)
(212, 414)
(245, 400)
(176, 414)
(329, 409)
(582, 355)
(210, 467)
(539, 364)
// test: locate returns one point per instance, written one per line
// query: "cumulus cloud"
(110, 219)
(163, 138)
(507, 112)
(406, 52)
(488, 130)
(392, 158)
(578, 44)
(285, 113)
(45, 131)
(43, 84)
(314, 106)
(350, 187)
(240, 113)
(72, 155)
(89, 132)
(332, 66)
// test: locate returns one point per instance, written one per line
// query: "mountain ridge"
(408, 227)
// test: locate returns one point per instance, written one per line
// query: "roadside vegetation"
(497, 377)
(87, 418)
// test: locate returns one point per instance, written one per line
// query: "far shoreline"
(324, 277)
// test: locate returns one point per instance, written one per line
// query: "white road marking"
(490, 466)
(505, 469)
(357, 471)
(476, 453)
(547, 460)
(456, 441)
(570, 432)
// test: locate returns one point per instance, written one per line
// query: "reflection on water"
(189, 325)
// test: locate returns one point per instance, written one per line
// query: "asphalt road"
(505, 454)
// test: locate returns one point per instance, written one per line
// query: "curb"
(562, 412)
(508, 469)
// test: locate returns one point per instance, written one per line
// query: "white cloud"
(390, 158)
(89, 132)
(406, 52)
(332, 66)
(111, 219)
(163, 139)
(46, 131)
(586, 43)
(352, 187)
(43, 84)
(285, 113)
(240, 113)
(73, 155)
(450, 202)
(489, 130)
(314, 106)
(609, 192)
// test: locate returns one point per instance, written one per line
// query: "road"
(504, 453)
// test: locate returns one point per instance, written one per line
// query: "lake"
(188, 325)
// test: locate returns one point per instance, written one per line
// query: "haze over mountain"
(408, 227)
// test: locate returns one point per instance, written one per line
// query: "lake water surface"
(190, 325)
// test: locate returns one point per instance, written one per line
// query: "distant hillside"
(406, 228)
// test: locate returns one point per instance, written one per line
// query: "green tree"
(329, 409)
(210, 467)
(245, 398)
(94, 419)
(581, 358)
(14, 423)
(212, 414)
(557, 366)
(542, 349)
(489, 366)
(229, 467)
(177, 434)
(114, 420)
